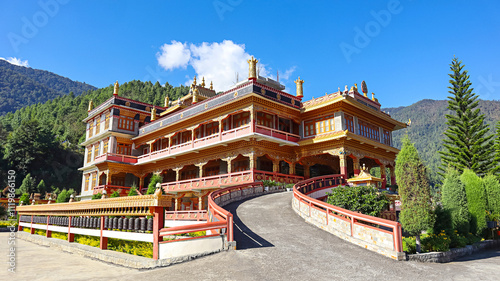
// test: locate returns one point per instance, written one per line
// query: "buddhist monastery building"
(251, 132)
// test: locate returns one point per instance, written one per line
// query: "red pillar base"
(32, 231)
(103, 243)
(71, 237)
(48, 234)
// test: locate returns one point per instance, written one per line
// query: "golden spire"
(300, 91)
(252, 68)
(356, 87)
(91, 105)
(211, 86)
(364, 89)
(153, 114)
(166, 101)
(195, 96)
(194, 81)
(117, 86)
(203, 82)
(373, 96)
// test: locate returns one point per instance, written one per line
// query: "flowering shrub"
(436, 242)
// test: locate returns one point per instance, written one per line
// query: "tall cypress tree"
(467, 144)
(416, 206)
(454, 200)
(497, 149)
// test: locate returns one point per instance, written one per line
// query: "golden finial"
(153, 114)
(252, 69)
(91, 105)
(117, 86)
(194, 81)
(195, 96)
(211, 86)
(166, 101)
(203, 82)
(356, 87)
(373, 96)
(300, 90)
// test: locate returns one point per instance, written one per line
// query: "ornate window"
(369, 131)
(89, 154)
(98, 125)
(123, 148)
(241, 119)
(96, 150)
(105, 147)
(386, 137)
(265, 119)
(212, 171)
(106, 122)
(86, 186)
(319, 126)
(349, 122)
(126, 123)
(91, 128)
(94, 178)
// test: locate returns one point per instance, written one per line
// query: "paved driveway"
(274, 244)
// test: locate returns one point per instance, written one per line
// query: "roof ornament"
(203, 82)
(153, 114)
(373, 96)
(346, 89)
(194, 82)
(211, 86)
(91, 105)
(300, 91)
(252, 69)
(195, 96)
(166, 101)
(364, 89)
(117, 86)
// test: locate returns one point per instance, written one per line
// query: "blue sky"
(402, 49)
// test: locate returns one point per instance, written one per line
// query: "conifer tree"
(28, 185)
(454, 200)
(476, 201)
(492, 187)
(416, 206)
(497, 149)
(152, 184)
(467, 145)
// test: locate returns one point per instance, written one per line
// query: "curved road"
(276, 244)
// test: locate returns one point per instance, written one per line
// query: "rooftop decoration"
(300, 91)
(117, 86)
(364, 178)
(252, 68)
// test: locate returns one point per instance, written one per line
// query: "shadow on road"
(245, 238)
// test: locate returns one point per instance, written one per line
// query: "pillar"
(158, 221)
(307, 171)
(48, 233)
(343, 165)
(200, 169)
(393, 175)
(71, 236)
(112, 144)
(383, 176)
(141, 181)
(177, 173)
(103, 241)
(276, 166)
(253, 161)
(291, 169)
(356, 166)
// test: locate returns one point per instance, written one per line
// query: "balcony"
(116, 157)
(228, 179)
(111, 188)
(217, 138)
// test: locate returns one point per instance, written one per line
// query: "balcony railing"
(218, 137)
(112, 188)
(229, 179)
(116, 157)
(196, 215)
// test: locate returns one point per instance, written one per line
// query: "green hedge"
(476, 201)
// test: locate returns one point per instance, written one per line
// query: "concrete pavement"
(274, 244)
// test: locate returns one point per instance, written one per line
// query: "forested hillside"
(428, 122)
(21, 86)
(42, 139)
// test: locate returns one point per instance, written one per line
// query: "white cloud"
(16, 61)
(288, 73)
(174, 55)
(217, 62)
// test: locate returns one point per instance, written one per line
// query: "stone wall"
(441, 257)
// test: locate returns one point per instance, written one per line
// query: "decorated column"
(356, 166)
(383, 176)
(343, 165)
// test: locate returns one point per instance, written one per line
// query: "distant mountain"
(22, 86)
(428, 122)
